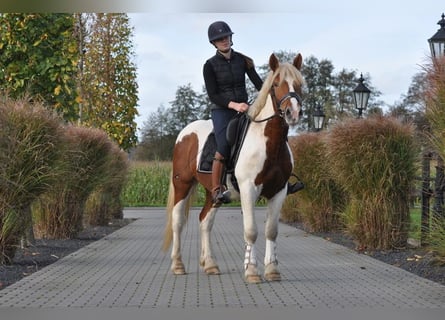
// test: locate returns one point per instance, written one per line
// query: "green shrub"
(318, 205)
(374, 161)
(29, 142)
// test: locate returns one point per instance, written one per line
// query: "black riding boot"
(295, 187)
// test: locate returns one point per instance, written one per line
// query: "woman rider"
(225, 82)
(224, 77)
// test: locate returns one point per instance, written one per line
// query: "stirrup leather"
(220, 196)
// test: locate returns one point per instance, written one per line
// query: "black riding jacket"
(225, 80)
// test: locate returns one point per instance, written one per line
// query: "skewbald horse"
(263, 168)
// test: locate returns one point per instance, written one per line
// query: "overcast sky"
(387, 39)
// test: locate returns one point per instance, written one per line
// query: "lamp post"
(437, 47)
(437, 42)
(318, 118)
(361, 96)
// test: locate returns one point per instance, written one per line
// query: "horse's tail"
(168, 233)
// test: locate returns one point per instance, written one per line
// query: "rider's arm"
(212, 87)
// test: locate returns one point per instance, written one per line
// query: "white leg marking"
(249, 256)
(270, 255)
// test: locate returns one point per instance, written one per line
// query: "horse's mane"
(285, 70)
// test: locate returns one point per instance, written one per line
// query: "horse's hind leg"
(207, 218)
(178, 220)
(180, 211)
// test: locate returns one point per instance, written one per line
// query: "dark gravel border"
(44, 252)
(418, 260)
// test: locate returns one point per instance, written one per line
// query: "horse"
(264, 165)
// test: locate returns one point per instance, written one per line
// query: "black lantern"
(437, 42)
(361, 96)
(318, 119)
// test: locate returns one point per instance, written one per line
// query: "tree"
(159, 132)
(184, 109)
(319, 79)
(413, 104)
(344, 83)
(156, 141)
(204, 104)
(109, 79)
(38, 57)
(327, 89)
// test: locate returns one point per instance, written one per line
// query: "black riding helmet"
(219, 29)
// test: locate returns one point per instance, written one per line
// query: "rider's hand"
(240, 107)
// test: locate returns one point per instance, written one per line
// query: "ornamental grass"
(104, 203)
(319, 204)
(82, 169)
(435, 113)
(29, 147)
(373, 160)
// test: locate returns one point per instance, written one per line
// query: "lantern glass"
(361, 99)
(437, 49)
(437, 41)
(318, 119)
(361, 95)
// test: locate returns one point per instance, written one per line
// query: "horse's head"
(286, 88)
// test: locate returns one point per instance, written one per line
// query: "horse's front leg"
(271, 272)
(251, 273)
(207, 218)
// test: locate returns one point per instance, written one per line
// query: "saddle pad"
(207, 154)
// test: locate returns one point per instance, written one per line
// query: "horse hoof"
(272, 276)
(212, 270)
(179, 271)
(253, 278)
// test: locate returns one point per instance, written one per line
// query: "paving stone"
(128, 269)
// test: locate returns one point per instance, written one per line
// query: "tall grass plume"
(29, 142)
(374, 160)
(318, 205)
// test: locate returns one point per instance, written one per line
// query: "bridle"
(279, 112)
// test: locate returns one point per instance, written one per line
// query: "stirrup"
(220, 197)
(295, 187)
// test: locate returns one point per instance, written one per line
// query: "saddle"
(235, 133)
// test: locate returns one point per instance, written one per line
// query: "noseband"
(277, 104)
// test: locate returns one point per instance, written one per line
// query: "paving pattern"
(128, 269)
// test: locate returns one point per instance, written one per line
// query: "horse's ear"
(273, 62)
(298, 61)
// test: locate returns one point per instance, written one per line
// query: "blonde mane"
(284, 71)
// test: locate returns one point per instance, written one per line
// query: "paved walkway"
(127, 269)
